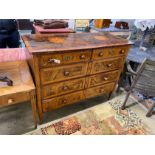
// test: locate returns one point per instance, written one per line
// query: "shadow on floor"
(17, 119)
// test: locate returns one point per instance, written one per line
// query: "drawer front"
(55, 74)
(102, 78)
(58, 102)
(61, 88)
(14, 98)
(49, 60)
(106, 65)
(99, 90)
(109, 52)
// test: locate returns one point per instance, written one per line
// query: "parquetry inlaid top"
(71, 41)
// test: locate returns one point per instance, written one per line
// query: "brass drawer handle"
(122, 51)
(100, 54)
(109, 65)
(56, 61)
(82, 57)
(65, 88)
(10, 101)
(105, 78)
(66, 73)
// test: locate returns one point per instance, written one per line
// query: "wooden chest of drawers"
(72, 67)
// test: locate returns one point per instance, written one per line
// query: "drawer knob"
(105, 78)
(109, 65)
(122, 51)
(66, 73)
(65, 87)
(101, 90)
(82, 57)
(10, 100)
(56, 61)
(101, 54)
(64, 101)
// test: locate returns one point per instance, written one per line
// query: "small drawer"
(48, 60)
(106, 65)
(99, 90)
(60, 73)
(62, 88)
(102, 78)
(61, 101)
(109, 52)
(14, 98)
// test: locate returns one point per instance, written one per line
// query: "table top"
(138, 56)
(111, 29)
(60, 30)
(71, 41)
(18, 72)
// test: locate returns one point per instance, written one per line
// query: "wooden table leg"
(109, 95)
(149, 113)
(33, 104)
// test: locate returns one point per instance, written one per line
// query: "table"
(135, 58)
(125, 33)
(138, 56)
(146, 25)
(14, 66)
(12, 54)
(40, 30)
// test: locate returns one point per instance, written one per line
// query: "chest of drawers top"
(40, 43)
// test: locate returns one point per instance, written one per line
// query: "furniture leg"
(123, 79)
(109, 95)
(149, 113)
(40, 112)
(120, 83)
(126, 98)
(33, 104)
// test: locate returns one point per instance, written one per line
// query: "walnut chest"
(69, 68)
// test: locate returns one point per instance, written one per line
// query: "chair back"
(146, 78)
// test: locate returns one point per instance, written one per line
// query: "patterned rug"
(104, 119)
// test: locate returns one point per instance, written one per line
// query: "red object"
(121, 25)
(12, 54)
(39, 29)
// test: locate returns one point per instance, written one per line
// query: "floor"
(17, 119)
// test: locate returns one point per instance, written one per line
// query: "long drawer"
(61, 101)
(60, 73)
(106, 65)
(61, 88)
(102, 78)
(14, 98)
(99, 90)
(101, 53)
(48, 60)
